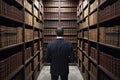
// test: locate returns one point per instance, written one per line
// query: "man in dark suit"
(59, 53)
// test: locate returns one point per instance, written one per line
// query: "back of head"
(59, 31)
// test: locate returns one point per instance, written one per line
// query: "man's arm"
(72, 55)
(48, 54)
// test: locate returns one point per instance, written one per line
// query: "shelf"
(30, 74)
(28, 11)
(36, 54)
(93, 11)
(8, 19)
(106, 2)
(85, 6)
(85, 54)
(92, 41)
(93, 26)
(109, 46)
(108, 73)
(28, 61)
(51, 6)
(67, 6)
(93, 76)
(91, 1)
(79, 48)
(28, 26)
(70, 19)
(51, 19)
(110, 20)
(63, 35)
(15, 72)
(85, 67)
(10, 50)
(93, 61)
(64, 27)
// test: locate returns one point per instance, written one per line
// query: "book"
(11, 11)
(110, 11)
(110, 35)
(9, 65)
(28, 53)
(28, 34)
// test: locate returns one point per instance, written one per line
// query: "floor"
(73, 75)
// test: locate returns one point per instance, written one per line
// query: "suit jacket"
(59, 53)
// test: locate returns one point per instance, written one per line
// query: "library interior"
(92, 26)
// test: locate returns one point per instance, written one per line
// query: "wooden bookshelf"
(60, 13)
(98, 39)
(21, 39)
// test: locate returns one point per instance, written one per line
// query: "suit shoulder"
(67, 42)
(52, 42)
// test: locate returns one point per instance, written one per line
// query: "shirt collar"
(59, 37)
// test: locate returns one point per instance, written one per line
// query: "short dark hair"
(59, 31)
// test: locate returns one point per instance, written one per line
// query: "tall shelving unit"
(21, 38)
(60, 13)
(98, 39)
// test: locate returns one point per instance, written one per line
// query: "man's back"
(59, 54)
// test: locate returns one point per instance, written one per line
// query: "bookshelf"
(98, 39)
(60, 13)
(21, 39)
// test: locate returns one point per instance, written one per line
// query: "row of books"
(19, 1)
(68, 23)
(10, 11)
(93, 53)
(28, 53)
(36, 23)
(28, 6)
(85, 47)
(101, 1)
(36, 73)
(93, 6)
(93, 34)
(62, 4)
(62, 15)
(28, 69)
(28, 18)
(110, 63)
(51, 4)
(35, 12)
(36, 61)
(85, 23)
(9, 65)
(66, 32)
(110, 35)
(10, 35)
(85, 61)
(80, 55)
(93, 70)
(19, 76)
(60, 10)
(85, 34)
(63, 23)
(36, 48)
(28, 34)
(68, 38)
(80, 34)
(110, 11)
(36, 34)
(68, 15)
(85, 12)
(93, 18)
